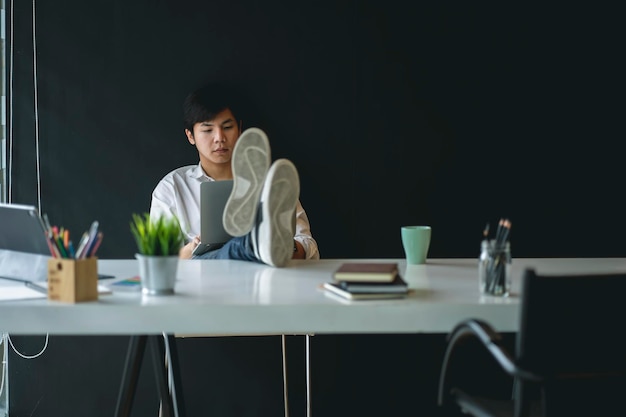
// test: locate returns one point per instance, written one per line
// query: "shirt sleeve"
(164, 204)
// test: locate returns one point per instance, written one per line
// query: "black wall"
(394, 113)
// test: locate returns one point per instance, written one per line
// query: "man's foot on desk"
(272, 237)
(250, 162)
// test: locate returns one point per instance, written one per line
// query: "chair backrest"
(571, 333)
(572, 324)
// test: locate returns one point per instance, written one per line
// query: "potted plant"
(158, 242)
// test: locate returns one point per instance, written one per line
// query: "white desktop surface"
(243, 298)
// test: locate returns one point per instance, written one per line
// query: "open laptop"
(213, 197)
(22, 230)
(24, 250)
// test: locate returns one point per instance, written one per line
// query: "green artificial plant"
(156, 237)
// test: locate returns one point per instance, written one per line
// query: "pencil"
(66, 238)
(94, 248)
(507, 230)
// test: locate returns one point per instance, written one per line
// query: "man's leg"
(261, 206)
(239, 248)
(271, 239)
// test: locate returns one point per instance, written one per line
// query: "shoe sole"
(278, 203)
(250, 163)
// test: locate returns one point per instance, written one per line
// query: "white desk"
(242, 298)
(239, 298)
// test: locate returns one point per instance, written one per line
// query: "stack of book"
(367, 280)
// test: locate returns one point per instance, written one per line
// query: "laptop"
(24, 250)
(213, 197)
(22, 230)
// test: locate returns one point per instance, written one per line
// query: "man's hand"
(186, 251)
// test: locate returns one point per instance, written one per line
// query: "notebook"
(213, 197)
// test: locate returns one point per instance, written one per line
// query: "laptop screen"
(22, 230)
(213, 197)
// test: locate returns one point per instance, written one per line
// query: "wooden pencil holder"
(73, 280)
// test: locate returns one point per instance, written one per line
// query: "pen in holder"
(494, 268)
(73, 280)
(494, 264)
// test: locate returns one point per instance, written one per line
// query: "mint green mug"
(416, 241)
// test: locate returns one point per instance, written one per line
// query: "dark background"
(394, 113)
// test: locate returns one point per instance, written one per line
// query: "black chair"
(569, 356)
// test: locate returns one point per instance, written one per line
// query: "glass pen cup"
(494, 268)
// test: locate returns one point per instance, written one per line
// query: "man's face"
(215, 139)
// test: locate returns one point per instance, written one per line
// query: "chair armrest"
(488, 338)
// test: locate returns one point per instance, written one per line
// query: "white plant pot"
(157, 273)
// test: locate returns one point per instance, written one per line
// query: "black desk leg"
(134, 358)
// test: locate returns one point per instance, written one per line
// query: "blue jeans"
(238, 248)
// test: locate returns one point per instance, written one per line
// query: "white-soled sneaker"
(250, 162)
(272, 237)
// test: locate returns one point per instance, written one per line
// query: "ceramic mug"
(416, 241)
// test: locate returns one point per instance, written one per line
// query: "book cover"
(132, 284)
(367, 271)
(398, 285)
(335, 288)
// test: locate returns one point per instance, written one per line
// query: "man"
(259, 212)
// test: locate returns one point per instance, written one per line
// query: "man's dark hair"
(205, 103)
